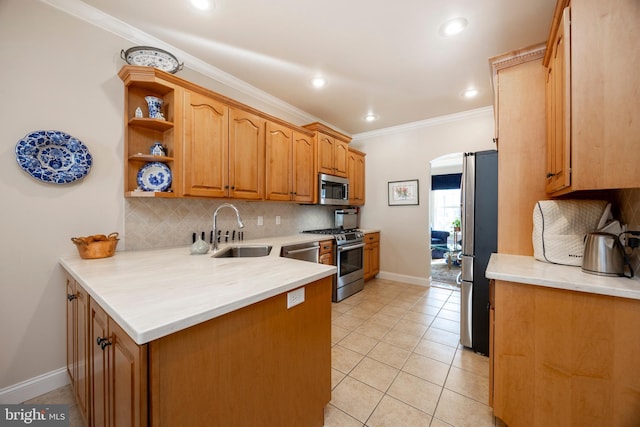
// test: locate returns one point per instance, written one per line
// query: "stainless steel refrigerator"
(479, 241)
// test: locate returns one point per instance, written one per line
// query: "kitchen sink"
(248, 251)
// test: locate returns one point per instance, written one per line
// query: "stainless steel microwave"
(333, 190)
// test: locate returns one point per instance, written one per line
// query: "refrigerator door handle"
(468, 203)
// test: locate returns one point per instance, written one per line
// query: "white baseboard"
(34, 387)
(412, 280)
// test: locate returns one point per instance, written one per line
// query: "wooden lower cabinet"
(77, 344)
(371, 255)
(261, 365)
(326, 252)
(564, 358)
(118, 373)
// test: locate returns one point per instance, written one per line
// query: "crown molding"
(436, 121)
(120, 28)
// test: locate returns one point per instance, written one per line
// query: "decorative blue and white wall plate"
(154, 176)
(53, 156)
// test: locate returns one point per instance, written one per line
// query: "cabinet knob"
(71, 297)
(550, 175)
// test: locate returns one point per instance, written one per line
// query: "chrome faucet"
(215, 227)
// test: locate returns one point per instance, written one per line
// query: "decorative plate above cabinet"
(152, 57)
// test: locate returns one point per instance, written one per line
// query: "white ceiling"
(379, 57)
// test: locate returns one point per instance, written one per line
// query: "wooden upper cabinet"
(519, 81)
(305, 179)
(206, 145)
(279, 174)
(340, 154)
(140, 133)
(600, 44)
(289, 165)
(246, 155)
(355, 169)
(558, 114)
(333, 150)
(326, 149)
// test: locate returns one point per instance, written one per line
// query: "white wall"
(404, 154)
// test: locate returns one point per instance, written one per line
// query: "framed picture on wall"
(403, 193)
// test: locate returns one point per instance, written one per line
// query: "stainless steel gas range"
(349, 260)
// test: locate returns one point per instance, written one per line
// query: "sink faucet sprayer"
(215, 227)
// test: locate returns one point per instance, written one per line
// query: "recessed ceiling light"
(453, 27)
(201, 4)
(470, 93)
(370, 117)
(318, 82)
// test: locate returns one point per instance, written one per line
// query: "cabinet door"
(278, 162)
(77, 343)
(366, 263)
(375, 259)
(206, 141)
(246, 155)
(82, 350)
(355, 167)
(99, 366)
(326, 148)
(559, 110)
(341, 152)
(304, 176)
(71, 331)
(127, 380)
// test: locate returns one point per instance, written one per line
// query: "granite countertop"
(154, 293)
(528, 270)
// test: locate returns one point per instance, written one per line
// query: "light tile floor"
(396, 361)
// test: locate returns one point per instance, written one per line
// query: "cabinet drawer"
(326, 247)
(371, 237)
(326, 259)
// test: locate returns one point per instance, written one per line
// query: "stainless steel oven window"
(350, 260)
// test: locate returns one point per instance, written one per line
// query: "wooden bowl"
(96, 246)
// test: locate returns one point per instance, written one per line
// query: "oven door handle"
(297, 251)
(350, 247)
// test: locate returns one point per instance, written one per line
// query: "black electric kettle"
(604, 255)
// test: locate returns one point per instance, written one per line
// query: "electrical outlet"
(260, 220)
(632, 231)
(295, 297)
(277, 219)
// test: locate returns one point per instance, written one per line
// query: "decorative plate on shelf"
(151, 57)
(53, 156)
(154, 176)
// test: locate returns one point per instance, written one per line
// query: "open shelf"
(150, 158)
(155, 124)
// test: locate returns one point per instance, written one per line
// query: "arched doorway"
(444, 219)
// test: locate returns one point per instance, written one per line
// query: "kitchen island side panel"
(262, 365)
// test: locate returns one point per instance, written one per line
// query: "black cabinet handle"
(103, 342)
(550, 175)
(71, 297)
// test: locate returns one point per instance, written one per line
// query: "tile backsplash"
(628, 206)
(163, 223)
